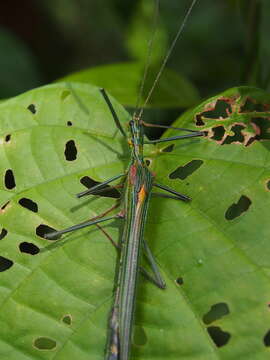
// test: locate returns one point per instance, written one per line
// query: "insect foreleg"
(171, 191)
(98, 186)
(54, 234)
(178, 137)
(115, 117)
(167, 127)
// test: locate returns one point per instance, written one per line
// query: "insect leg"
(178, 195)
(157, 278)
(178, 137)
(165, 196)
(98, 186)
(55, 234)
(167, 127)
(115, 117)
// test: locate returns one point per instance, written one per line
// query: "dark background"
(226, 42)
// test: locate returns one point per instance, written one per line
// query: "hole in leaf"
(262, 126)
(222, 110)
(45, 343)
(67, 319)
(168, 148)
(106, 191)
(3, 233)
(268, 184)
(9, 179)
(69, 123)
(7, 138)
(65, 94)
(4, 206)
(238, 136)
(219, 132)
(42, 229)
(28, 248)
(28, 204)
(236, 210)
(179, 281)
(5, 263)
(182, 172)
(148, 162)
(32, 108)
(250, 105)
(219, 336)
(199, 121)
(139, 336)
(216, 312)
(266, 339)
(88, 182)
(71, 151)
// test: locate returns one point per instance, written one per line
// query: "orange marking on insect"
(114, 349)
(142, 194)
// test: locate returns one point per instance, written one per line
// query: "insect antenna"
(139, 113)
(148, 58)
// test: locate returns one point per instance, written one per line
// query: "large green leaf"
(213, 256)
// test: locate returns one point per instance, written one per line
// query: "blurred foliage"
(224, 44)
(18, 68)
(123, 82)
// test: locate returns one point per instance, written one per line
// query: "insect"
(137, 185)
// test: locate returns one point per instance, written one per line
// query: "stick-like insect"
(137, 184)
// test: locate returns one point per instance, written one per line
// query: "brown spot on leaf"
(44, 343)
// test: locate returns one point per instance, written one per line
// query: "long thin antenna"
(179, 32)
(148, 56)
